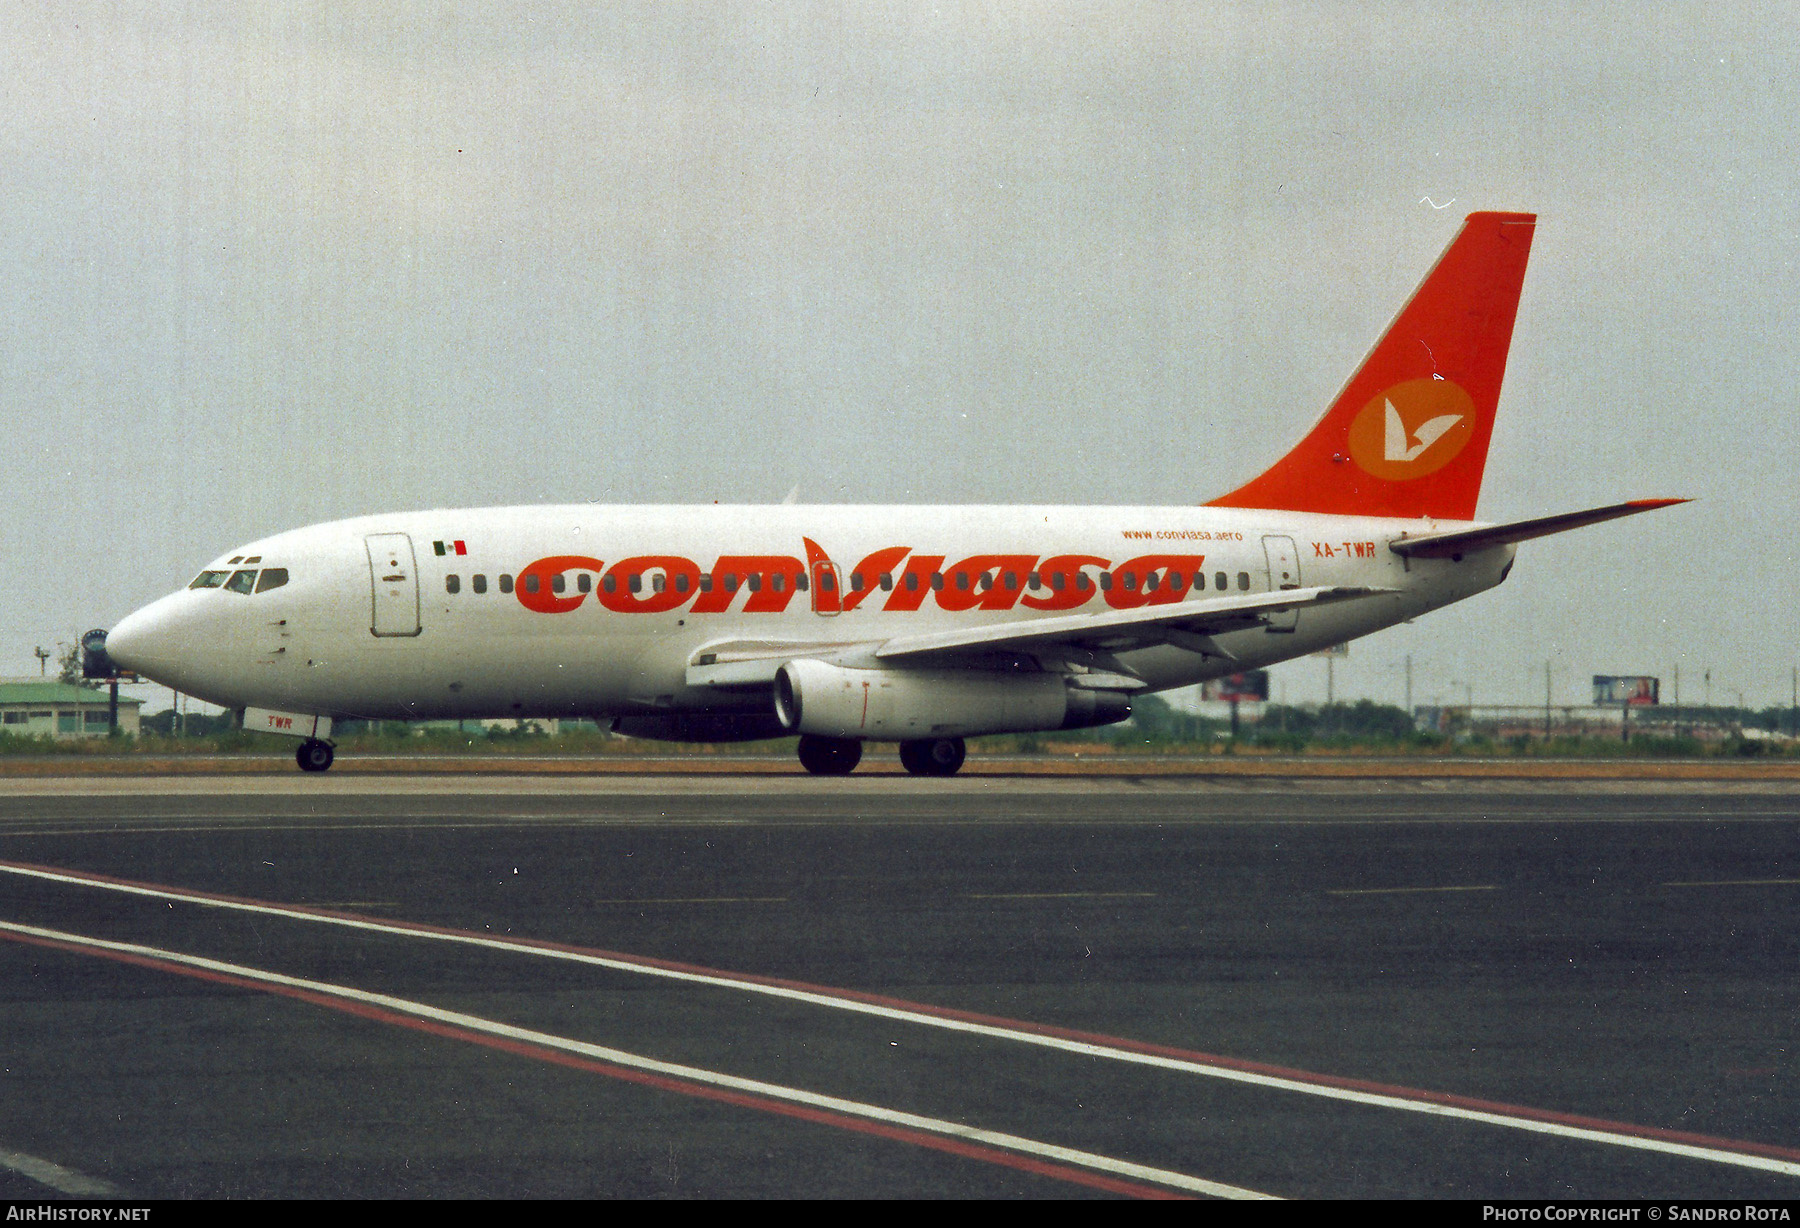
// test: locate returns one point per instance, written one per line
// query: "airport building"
(45, 707)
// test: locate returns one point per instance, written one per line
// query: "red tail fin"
(1408, 435)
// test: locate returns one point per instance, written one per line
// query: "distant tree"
(1153, 719)
(68, 668)
(1362, 719)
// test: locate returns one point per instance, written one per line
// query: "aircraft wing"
(1186, 624)
(1458, 542)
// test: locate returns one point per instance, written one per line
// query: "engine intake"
(835, 701)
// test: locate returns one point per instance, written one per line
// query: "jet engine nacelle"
(834, 701)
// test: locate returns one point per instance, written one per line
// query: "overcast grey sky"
(268, 264)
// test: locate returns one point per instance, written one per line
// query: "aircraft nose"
(147, 642)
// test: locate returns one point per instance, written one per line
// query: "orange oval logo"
(1412, 429)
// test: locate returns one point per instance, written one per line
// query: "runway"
(1000, 986)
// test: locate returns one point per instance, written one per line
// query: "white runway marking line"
(62, 1180)
(1086, 1048)
(693, 1074)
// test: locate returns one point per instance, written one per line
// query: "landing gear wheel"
(314, 755)
(933, 756)
(829, 756)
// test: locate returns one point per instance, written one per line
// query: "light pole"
(1546, 701)
(1469, 705)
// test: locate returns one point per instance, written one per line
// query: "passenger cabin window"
(584, 582)
(1243, 581)
(1219, 581)
(558, 582)
(209, 579)
(480, 583)
(241, 582)
(531, 582)
(272, 577)
(452, 584)
(505, 583)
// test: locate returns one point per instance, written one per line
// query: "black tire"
(314, 756)
(829, 756)
(933, 756)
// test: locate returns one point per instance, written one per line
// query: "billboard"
(1252, 686)
(1625, 689)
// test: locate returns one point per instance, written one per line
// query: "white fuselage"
(372, 621)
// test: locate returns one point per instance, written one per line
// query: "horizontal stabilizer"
(1464, 541)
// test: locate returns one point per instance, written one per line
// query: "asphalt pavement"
(756, 986)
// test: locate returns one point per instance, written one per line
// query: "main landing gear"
(829, 756)
(933, 756)
(839, 756)
(314, 755)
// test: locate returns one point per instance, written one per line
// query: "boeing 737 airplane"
(916, 625)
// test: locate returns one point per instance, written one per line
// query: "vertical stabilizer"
(1408, 435)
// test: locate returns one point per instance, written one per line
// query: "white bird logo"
(1395, 447)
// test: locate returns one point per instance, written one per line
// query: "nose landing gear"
(314, 755)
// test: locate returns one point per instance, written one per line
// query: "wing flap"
(1188, 624)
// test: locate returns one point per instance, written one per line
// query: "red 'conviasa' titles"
(662, 583)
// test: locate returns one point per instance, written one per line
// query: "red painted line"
(917, 1138)
(1397, 1091)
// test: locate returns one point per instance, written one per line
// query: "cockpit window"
(241, 581)
(209, 579)
(272, 577)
